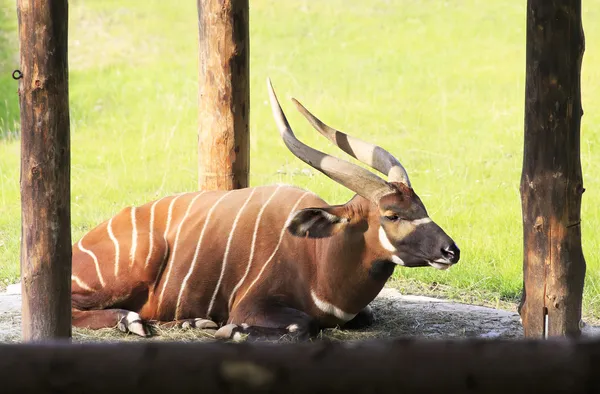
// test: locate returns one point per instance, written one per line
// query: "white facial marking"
(93, 256)
(397, 260)
(133, 237)
(281, 234)
(331, 309)
(292, 328)
(418, 222)
(116, 243)
(385, 241)
(81, 283)
(200, 238)
(226, 254)
(175, 243)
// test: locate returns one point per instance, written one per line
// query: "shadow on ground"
(396, 315)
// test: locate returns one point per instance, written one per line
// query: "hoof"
(132, 323)
(199, 323)
(226, 332)
(204, 323)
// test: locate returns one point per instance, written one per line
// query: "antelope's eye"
(393, 218)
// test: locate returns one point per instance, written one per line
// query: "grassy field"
(440, 84)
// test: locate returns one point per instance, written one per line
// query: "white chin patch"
(385, 241)
(439, 266)
(397, 260)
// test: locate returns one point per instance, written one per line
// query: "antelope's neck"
(345, 283)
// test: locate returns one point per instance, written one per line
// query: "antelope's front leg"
(268, 323)
(363, 319)
(198, 323)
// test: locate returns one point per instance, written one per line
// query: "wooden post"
(378, 366)
(551, 183)
(45, 170)
(224, 95)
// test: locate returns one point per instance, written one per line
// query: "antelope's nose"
(451, 253)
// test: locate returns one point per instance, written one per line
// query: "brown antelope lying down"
(263, 261)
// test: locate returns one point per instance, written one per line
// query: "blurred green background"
(439, 84)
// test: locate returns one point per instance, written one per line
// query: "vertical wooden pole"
(224, 94)
(45, 170)
(551, 182)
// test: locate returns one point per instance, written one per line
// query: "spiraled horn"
(371, 155)
(347, 174)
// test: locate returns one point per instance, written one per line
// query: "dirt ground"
(396, 315)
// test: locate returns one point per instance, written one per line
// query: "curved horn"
(349, 175)
(372, 155)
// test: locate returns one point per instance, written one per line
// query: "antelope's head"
(405, 228)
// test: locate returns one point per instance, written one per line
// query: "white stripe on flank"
(168, 225)
(282, 233)
(170, 214)
(151, 233)
(187, 212)
(385, 241)
(418, 222)
(226, 255)
(253, 244)
(331, 309)
(193, 264)
(81, 283)
(133, 238)
(93, 256)
(164, 261)
(116, 242)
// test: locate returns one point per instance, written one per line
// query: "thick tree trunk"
(551, 183)
(224, 95)
(381, 366)
(45, 170)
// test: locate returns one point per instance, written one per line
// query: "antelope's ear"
(317, 222)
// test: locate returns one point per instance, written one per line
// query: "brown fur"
(336, 267)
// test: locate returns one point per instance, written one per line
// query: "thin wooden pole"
(45, 170)
(224, 95)
(552, 184)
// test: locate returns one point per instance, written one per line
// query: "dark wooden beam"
(376, 366)
(552, 183)
(45, 170)
(224, 95)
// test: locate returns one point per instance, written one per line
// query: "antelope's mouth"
(440, 265)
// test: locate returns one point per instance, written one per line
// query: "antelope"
(259, 262)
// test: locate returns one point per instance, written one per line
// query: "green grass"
(439, 84)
